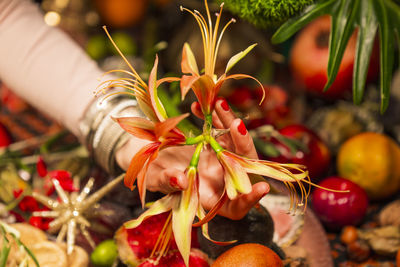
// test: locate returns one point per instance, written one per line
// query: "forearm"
(43, 65)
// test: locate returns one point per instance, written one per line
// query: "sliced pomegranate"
(136, 244)
(197, 258)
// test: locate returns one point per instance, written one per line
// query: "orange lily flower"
(158, 128)
(161, 134)
(206, 86)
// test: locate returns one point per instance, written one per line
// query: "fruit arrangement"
(345, 180)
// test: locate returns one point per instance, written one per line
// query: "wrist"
(125, 153)
(102, 136)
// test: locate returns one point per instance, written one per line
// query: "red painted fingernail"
(173, 181)
(224, 105)
(242, 128)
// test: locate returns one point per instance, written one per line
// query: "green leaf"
(295, 24)
(365, 43)
(19, 243)
(341, 30)
(266, 148)
(386, 52)
(5, 250)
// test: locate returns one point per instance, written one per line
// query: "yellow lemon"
(372, 161)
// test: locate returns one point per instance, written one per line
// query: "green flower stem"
(194, 140)
(196, 155)
(207, 124)
(214, 144)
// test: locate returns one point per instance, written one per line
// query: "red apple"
(309, 60)
(336, 209)
(5, 138)
(314, 155)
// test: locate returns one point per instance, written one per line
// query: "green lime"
(124, 42)
(104, 254)
(97, 46)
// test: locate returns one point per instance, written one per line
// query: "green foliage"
(370, 17)
(266, 13)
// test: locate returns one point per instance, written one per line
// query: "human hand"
(166, 173)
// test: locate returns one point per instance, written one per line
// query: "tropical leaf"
(365, 44)
(365, 15)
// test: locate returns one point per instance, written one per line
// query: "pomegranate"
(309, 60)
(174, 259)
(135, 245)
(340, 209)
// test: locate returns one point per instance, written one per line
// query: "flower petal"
(205, 91)
(137, 163)
(236, 178)
(166, 126)
(160, 206)
(183, 215)
(155, 101)
(168, 80)
(188, 63)
(271, 169)
(138, 127)
(242, 76)
(204, 229)
(142, 175)
(186, 83)
(236, 58)
(212, 212)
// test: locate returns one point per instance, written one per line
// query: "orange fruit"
(248, 255)
(372, 161)
(121, 13)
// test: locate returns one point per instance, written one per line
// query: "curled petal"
(167, 79)
(138, 127)
(160, 206)
(183, 215)
(188, 63)
(137, 163)
(242, 76)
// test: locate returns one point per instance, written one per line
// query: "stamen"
(123, 57)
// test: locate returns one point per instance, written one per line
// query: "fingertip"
(176, 180)
(223, 104)
(262, 189)
(196, 109)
